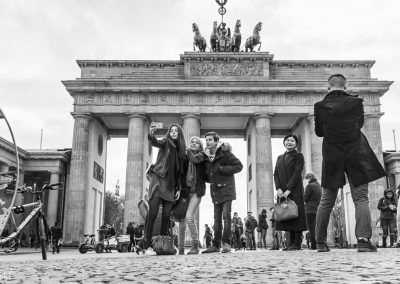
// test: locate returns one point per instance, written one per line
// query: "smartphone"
(158, 125)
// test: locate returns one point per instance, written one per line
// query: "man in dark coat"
(220, 167)
(251, 224)
(56, 235)
(339, 118)
(312, 197)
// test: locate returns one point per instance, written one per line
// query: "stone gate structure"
(241, 95)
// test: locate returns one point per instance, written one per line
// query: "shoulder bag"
(286, 210)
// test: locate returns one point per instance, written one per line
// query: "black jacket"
(220, 173)
(338, 119)
(383, 206)
(56, 232)
(262, 221)
(251, 224)
(312, 196)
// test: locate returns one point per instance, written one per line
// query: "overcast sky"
(41, 40)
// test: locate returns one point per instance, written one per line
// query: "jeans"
(194, 203)
(263, 238)
(222, 211)
(359, 195)
(311, 218)
(154, 205)
(251, 240)
(388, 226)
(56, 246)
(237, 244)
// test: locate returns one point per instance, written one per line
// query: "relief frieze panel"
(226, 69)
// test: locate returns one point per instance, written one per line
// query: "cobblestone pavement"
(338, 266)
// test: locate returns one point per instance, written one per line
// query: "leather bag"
(164, 245)
(179, 211)
(286, 210)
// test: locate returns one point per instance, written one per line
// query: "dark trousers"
(251, 240)
(236, 239)
(222, 211)
(388, 226)
(263, 238)
(154, 205)
(311, 219)
(208, 242)
(56, 247)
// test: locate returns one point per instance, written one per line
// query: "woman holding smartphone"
(165, 179)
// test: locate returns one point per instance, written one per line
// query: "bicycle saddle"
(91, 236)
(85, 235)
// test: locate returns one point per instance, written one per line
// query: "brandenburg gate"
(246, 95)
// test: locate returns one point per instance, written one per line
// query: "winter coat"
(383, 206)
(262, 221)
(220, 173)
(200, 186)
(56, 232)
(312, 196)
(339, 118)
(251, 224)
(287, 176)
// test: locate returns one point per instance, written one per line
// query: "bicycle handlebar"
(30, 189)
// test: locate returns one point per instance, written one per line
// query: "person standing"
(312, 197)
(339, 118)
(56, 236)
(221, 165)
(165, 178)
(388, 207)
(207, 235)
(196, 188)
(251, 224)
(32, 237)
(275, 235)
(236, 223)
(289, 185)
(262, 228)
(131, 233)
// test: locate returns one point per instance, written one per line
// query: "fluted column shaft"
(75, 207)
(52, 205)
(264, 172)
(372, 131)
(134, 168)
(316, 149)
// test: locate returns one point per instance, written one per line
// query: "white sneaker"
(150, 251)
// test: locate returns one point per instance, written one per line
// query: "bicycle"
(12, 241)
(88, 245)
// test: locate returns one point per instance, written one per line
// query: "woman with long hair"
(165, 178)
(262, 228)
(289, 185)
(388, 207)
(196, 188)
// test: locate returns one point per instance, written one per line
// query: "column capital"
(268, 115)
(191, 115)
(86, 115)
(373, 115)
(138, 115)
(55, 172)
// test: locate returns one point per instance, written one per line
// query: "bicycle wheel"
(42, 237)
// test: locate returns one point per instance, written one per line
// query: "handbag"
(179, 211)
(286, 210)
(164, 245)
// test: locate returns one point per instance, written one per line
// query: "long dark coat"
(339, 118)
(287, 176)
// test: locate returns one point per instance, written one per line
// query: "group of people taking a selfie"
(183, 170)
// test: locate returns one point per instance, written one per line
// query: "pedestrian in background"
(251, 224)
(339, 118)
(262, 228)
(289, 185)
(56, 236)
(131, 233)
(312, 197)
(388, 207)
(207, 235)
(274, 233)
(32, 237)
(236, 224)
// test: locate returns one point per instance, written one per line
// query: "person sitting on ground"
(388, 207)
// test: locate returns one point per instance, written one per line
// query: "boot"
(391, 240)
(194, 249)
(384, 241)
(297, 242)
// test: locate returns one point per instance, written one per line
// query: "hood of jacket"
(224, 146)
(387, 191)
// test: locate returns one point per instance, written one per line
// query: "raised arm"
(153, 140)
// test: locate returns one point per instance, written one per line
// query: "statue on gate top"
(221, 39)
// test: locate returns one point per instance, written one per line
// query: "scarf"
(194, 159)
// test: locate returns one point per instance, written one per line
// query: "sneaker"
(323, 248)
(211, 249)
(150, 251)
(194, 250)
(226, 248)
(365, 246)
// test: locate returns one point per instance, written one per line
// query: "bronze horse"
(199, 40)
(214, 38)
(236, 38)
(252, 41)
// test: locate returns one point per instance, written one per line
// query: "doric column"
(316, 148)
(372, 131)
(264, 172)
(134, 168)
(191, 127)
(52, 205)
(75, 203)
